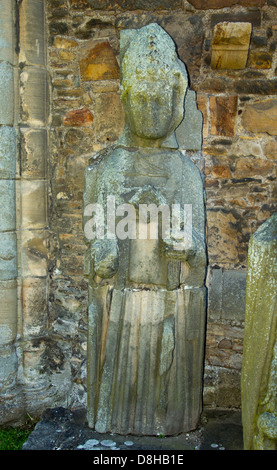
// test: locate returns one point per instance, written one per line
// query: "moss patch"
(13, 438)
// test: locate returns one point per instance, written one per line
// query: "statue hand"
(179, 248)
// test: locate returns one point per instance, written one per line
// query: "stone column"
(259, 367)
(33, 130)
(8, 238)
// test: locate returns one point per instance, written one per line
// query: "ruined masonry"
(259, 368)
(147, 297)
(60, 109)
(24, 113)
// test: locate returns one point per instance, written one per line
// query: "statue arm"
(190, 246)
(102, 255)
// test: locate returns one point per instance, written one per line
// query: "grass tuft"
(13, 438)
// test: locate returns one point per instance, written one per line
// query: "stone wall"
(8, 239)
(232, 68)
(229, 47)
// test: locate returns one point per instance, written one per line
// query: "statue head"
(153, 83)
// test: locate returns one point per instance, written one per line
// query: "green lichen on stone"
(259, 376)
(147, 298)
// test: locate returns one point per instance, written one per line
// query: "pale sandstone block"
(32, 32)
(34, 253)
(33, 152)
(245, 147)
(34, 96)
(8, 312)
(34, 294)
(8, 256)
(230, 45)
(34, 204)
(64, 43)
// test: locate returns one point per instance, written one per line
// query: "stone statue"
(146, 271)
(259, 366)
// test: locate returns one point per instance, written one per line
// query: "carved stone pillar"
(33, 188)
(8, 237)
(24, 103)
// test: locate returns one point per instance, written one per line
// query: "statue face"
(150, 109)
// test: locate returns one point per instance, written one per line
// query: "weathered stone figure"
(259, 367)
(147, 294)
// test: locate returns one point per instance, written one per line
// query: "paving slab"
(63, 429)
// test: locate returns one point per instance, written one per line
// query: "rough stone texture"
(33, 152)
(32, 40)
(188, 33)
(34, 216)
(33, 190)
(223, 115)
(35, 306)
(142, 320)
(239, 169)
(34, 246)
(7, 152)
(7, 204)
(63, 429)
(259, 413)
(250, 16)
(260, 60)
(133, 4)
(8, 313)
(227, 289)
(100, 63)
(189, 132)
(11, 404)
(6, 93)
(34, 81)
(8, 258)
(240, 179)
(213, 4)
(7, 39)
(230, 45)
(78, 118)
(261, 117)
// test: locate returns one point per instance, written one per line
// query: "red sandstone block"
(78, 118)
